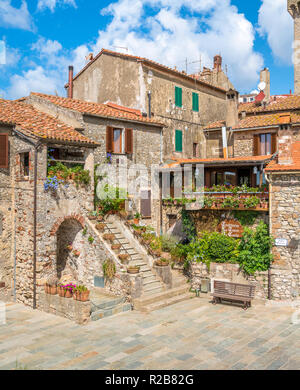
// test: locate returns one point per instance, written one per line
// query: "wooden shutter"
(256, 145)
(178, 141)
(128, 141)
(195, 102)
(3, 150)
(109, 139)
(274, 143)
(146, 204)
(178, 97)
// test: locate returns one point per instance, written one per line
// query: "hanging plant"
(109, 269)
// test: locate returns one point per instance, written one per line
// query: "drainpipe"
(270, 224)
(224, 138)
(36, 147)
(161, 146)
(149, 104)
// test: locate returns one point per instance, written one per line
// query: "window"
(178, 97)
(195, 150)
(178, 141)
(24, 162)
(264, 144)
(146, 204)
(3, 150)
(119, 141)
(195, 102)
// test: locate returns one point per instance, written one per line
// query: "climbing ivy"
(188, 225)
(246, 218)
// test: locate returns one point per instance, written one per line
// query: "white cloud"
(49, 73)
(174, 31)
(15, 17)
(51, 4)
(179, 29)
(280, 38)
(37, 79)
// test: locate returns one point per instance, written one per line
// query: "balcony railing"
(227, 200)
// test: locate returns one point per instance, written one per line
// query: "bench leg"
(246, 305)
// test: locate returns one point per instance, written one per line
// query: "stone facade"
(147, 145)
(127, 82)
(284, 219)
(293, 8)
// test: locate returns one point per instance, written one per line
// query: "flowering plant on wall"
(108, 159)
(52, 183)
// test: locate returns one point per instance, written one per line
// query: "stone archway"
(68, 234)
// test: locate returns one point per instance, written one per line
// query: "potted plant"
(162, 262)
(81, 293)
(133, 269)
(116, 248)
(109, 237)
(70, 247)
(51, 285)
(76, 253)
(137, 217)
(100, 227)
(123, 258)
(66, 291)
(93, 216)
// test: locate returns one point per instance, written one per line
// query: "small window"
(178, 141)
(195, 150)
(3, 150)
(178, 97)
(195, 102)
(118, 141)
(24, 161)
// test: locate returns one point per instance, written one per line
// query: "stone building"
(133, 142)
(38, 223)
(184, 103)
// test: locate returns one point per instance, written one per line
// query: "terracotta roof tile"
(243, 159)
(277, 103)
(35, 123)
(148, 62)
(295, 166)
(108, 110)
(263, 120)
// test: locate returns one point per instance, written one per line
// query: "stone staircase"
(104, 305)
(156, 294)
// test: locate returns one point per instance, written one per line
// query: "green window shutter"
(178, 141)
(178, 97)
(195, 102)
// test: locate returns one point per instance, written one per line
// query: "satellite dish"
(262, 86)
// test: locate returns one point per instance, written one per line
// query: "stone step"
(148, 299)
(110, 311)
(167, 302)
(149, 279)
(99, 304)
(153, 288)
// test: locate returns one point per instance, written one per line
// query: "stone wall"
(69, 308)
(285, 224)
(230, 273)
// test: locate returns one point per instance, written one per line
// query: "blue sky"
(42, 37)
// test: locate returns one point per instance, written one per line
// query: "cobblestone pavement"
(190, 335)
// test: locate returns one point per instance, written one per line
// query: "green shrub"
(231, 202)
(255, 249)
(168, 243)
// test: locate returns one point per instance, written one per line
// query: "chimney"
(285, 141)
(232, 117)
(218, 63)
(70, 89)
(294, 11)
(265, 77)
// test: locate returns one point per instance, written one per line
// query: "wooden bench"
(233, 292)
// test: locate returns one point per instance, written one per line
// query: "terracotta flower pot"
(136, 221)
(52, 290)
(64, 293)
(81, 296)
(100, 227)
(133, 270)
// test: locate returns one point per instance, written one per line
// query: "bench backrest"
(235, 289)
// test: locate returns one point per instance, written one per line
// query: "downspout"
(36, 146)
(149, 104)
(270, 227)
